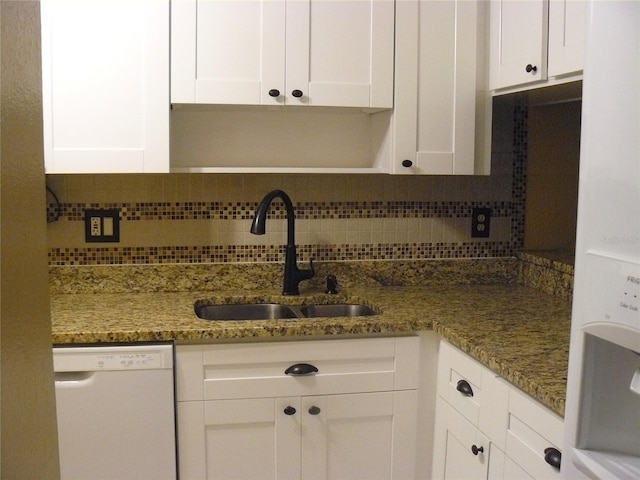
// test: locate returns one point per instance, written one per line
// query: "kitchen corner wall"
(205, 218)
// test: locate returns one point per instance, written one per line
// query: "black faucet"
(292, 275)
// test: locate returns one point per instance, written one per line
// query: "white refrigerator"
(602, 415)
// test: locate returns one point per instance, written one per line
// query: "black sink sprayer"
(292, 274)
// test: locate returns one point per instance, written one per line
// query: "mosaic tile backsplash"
(205, 218)
(364, 227)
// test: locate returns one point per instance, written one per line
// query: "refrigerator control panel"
(613, 290)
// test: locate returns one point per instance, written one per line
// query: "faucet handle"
(307, 274)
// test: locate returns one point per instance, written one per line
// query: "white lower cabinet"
(470, 426)
(488, 429)
(534, 437)
(241, 417)
(468, 453)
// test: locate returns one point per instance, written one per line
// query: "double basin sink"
(268, 311)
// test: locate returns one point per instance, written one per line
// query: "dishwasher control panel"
(127, 361)
(140, 357)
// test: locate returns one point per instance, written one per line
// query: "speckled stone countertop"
(520, 333)
(142, 317)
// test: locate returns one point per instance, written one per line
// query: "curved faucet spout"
(259, 224)
(292, 274)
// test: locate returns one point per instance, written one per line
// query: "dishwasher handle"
(73, 378)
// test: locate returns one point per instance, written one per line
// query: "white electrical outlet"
(96, 229)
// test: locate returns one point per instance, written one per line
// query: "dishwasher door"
(116, 412)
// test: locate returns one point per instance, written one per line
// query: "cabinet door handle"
(297, 93)
(464, 388)
(314, 410)
(289, 410)
(531, 68)
(553, 457)
(301, 369)
(407, 163)
(476, 450)
(274, 92)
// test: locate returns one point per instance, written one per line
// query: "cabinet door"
(105, 72)
(359, 436)
(240, 439)
(439, 110)
(567, 24)
(227, 51)
(455, 437)
(518, 42)
(512, 471)
(341, 54)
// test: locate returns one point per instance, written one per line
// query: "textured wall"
(28, 425)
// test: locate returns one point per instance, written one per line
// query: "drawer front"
(485, 404)
(532, 429)
(255, 370)
(457, 371)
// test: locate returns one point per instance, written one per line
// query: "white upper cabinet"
(105, 85)
(518, 50)
(277, 52)
(567, 23)
(536, 42)
(441, 118)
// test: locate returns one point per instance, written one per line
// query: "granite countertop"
(142, 317)
(520, 333)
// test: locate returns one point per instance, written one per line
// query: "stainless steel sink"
(245, 311)
(339, 310)
(268, 311)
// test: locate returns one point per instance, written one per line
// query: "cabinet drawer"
(254, 370)
(532, 429)
(473, 390)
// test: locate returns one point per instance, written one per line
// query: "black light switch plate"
(102, 225)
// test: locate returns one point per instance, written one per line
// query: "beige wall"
(552, 176)
(28, 440)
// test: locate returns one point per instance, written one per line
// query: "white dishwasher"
(116, 412)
